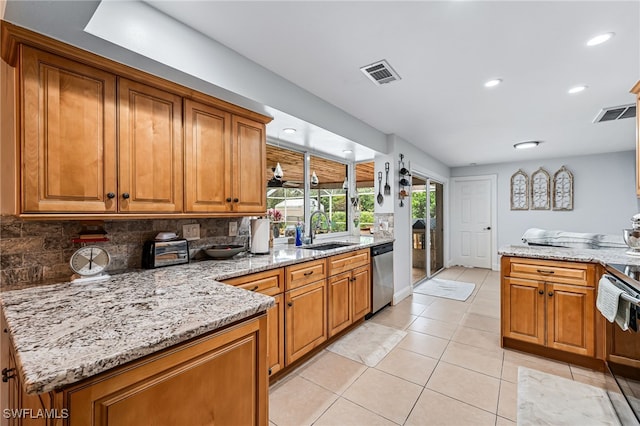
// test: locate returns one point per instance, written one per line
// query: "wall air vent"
(616, 113)
(380, 72)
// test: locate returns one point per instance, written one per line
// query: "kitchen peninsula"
(100, 349)
(548, 301)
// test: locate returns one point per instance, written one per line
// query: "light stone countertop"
(65, 332)
(603, 256)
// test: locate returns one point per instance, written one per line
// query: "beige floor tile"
(484, 361)
(332, 371)
(514, 359)
(489, 308)
(451, 313)
(298, 402)
(481, 322)
(424, 344)
(465, 385)
(473, 275)
(392, 318)
(384, 394)
(508, 400)
(422, 299)
(501, 421)
(433, 327)
(477, 338)
(451, 273)
(345, 413)
(409, 306)
(408, 365)
(435, 409)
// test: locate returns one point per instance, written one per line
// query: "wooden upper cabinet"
(150, 149)
(249, 162)
(208, 170)
(68, 135)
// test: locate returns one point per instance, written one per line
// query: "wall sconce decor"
(519, 191)
(404, 180)
(563, 189)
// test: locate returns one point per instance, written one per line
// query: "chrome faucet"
(311, 233)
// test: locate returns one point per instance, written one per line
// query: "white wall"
(415, 160)
(604, 195)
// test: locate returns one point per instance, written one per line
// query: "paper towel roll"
(260, 236)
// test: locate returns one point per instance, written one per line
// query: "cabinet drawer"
(348, 261)
(560, 272)
(305, 273)
(267, 282)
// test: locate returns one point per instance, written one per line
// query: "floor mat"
(456, 290)
(368, 344)
(545, 399)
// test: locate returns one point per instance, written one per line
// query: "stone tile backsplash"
(39, 251)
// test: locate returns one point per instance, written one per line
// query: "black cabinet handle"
(544, 271)
(290, 304)
(540, 291)
(111, 195)
(550, 293)
(254, 289)
(125, 195)
(228, 199)
(235, 200)
(8, 373)
(306, 274)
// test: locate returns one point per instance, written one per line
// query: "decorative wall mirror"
(519, 191)
(540, 190)
(563, 190)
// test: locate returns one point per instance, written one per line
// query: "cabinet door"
(220, 379)
(68, 135)
(275, 335)
(339, 304)
(150, 149)
(570, 318)
(208, 169)
(361, 290)
(523, 310)
(305, 319)
(249, 164)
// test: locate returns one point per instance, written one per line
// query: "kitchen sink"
(328, 246)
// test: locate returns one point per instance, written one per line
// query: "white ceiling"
(444, 52)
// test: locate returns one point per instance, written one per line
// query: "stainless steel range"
(623, 347)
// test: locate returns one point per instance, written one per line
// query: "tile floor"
(448, 370)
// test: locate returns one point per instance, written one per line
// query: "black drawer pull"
(8, 373)
(255, 288)
(306, 274)
(544, 271)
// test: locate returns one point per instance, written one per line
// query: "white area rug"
(368, 343)
(545, 399)
(456, 290)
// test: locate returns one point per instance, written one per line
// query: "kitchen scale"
(89, 264)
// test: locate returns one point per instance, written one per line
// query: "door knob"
(125, 195)
(228, 199)
(235, 200)
(550, 293)
(488, 228)
(540, 291)
(111, 195)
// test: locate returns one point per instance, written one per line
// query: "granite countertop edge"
(64, 333)
(604, 256)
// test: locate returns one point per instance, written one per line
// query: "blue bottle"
(298, 235)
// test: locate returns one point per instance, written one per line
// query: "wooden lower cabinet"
(305, 319)
(349, 298)
(219, 379)
(275, 335)
(361, 291)
(543, 312)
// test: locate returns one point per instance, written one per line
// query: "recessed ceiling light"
(493, 83)
(289, 130)
(347, 151)
(526, 145)
(576, 89)
(599, 39)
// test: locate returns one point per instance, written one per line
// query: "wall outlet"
(191, 232)
(233, 229)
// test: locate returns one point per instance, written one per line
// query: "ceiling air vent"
(616, 113)
(380, 72)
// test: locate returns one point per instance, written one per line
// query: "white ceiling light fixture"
(493, 83)
(526, 144)
(599, 39)
(577, 89)
(289, 130)
(347, 151)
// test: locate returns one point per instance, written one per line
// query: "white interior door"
(473, 221)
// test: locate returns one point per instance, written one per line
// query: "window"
(366, 195)
(286, 195)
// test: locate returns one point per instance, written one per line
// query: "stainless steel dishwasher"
(382, 288)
